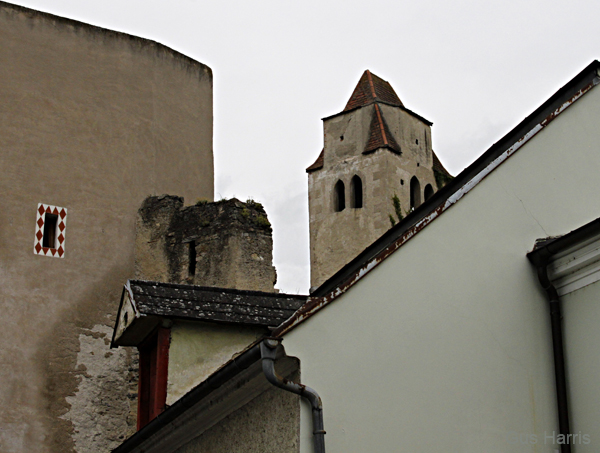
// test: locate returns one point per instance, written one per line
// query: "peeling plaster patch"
(100, 406)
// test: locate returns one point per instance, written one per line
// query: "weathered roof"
(371, 88)
(318, 164)
(445, 198)
(155, 301)
(379, 134)
(437, 165)
(214, 304)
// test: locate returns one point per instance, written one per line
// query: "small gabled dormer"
(185, 333)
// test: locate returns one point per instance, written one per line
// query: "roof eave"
(379, 101)
(446, 197)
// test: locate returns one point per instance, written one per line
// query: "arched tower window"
(415, 192)
(356, 190)
(428, 192)
(339, 196)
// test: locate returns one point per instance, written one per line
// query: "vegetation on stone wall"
(397, 210)
(441, 179)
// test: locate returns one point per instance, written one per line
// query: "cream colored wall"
(198, 349)
(446, 345)
(581, 317)
(93, 121)
(267, 424)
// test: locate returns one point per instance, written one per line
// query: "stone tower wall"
(93, 121)
(232, 244)
(337, 237)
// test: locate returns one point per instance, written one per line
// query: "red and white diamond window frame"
(58, 251)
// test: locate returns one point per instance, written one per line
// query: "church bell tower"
(377, 165)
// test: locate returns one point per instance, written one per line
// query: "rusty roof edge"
(442, 200)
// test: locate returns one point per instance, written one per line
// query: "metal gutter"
(541, 256)
(269, 348)
(559, 356)
(445, 198)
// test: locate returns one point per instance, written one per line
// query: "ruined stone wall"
(227, 244)
(93, 121)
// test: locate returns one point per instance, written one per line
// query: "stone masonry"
(385, 146)
(225, 244)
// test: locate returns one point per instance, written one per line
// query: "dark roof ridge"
(446, 197)
(317, 164)
(401, 107)
(371, 87)
(216, 289)
(141, 42)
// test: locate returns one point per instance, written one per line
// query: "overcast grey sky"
(475, 68)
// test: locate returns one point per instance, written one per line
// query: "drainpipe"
(268, 350)
(559, 354)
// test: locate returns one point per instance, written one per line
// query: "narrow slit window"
(357, 192)
(415, 192)
(192, 258)
(50, 223)
(339, 196)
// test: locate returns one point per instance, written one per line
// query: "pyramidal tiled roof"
(318, 163)
(379, 134)
(371, 88)
(437, 165)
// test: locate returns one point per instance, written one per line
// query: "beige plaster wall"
(581, 317)
(93, 121)
(337, 237)
(267, 424)
(446, 345)
(199, 349)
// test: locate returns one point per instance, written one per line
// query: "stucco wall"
(581, 315)
(93, 121)
(267, 424)
(199, 349)
(446, 345)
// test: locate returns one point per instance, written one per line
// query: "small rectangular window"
(50, 231)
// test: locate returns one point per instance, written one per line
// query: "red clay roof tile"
(437, 165)
(379, 134)
(318, 164)
(371, 88)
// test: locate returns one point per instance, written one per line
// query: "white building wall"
(581, 315)
(446, 346)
